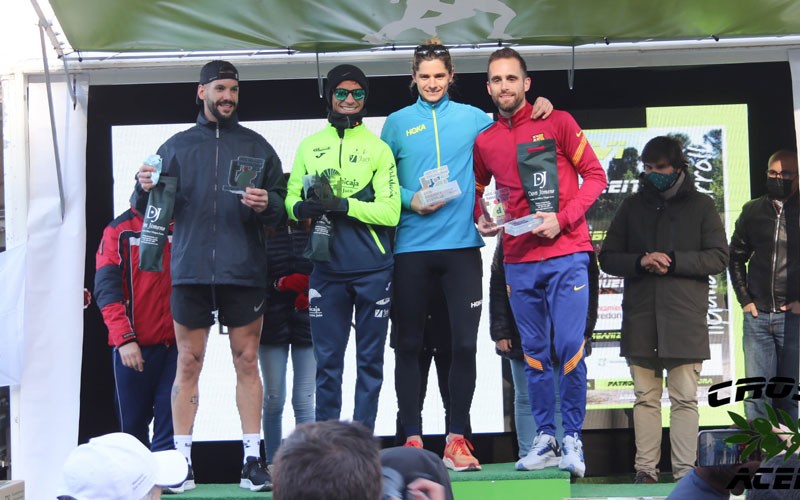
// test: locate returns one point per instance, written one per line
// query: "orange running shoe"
(457, 456)
(412, 444)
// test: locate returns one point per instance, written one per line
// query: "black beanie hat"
(217, 70)
(341, 73)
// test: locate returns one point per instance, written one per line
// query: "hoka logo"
(415, 130)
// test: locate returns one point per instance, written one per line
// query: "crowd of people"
(354, 235)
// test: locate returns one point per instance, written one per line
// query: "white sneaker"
(572, 456)
(543, 454)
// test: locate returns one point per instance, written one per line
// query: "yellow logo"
(579, 133)
(418, 128)
(578, 288)
(537, 137)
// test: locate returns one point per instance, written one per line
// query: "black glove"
(335, 204)
(308, 209)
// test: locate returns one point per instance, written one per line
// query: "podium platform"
(494, 482)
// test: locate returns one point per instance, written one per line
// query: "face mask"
(778, 189)
(661, 182)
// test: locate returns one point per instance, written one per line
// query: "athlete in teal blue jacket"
(436, 243)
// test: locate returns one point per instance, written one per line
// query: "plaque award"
(436, 188)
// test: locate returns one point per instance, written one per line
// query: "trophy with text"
(436, 188)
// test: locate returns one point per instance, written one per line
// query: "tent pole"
(48, 27)
(49, 85)
(319, 78)
(571, 71)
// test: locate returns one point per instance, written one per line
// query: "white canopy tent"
(45, 326)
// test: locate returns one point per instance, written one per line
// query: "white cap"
(119, 466)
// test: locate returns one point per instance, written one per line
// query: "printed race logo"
(153, 213)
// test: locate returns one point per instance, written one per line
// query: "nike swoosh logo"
(579, 133)
(577, 288)
(258, 307)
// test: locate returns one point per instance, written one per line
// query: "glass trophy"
(154, 161)
(436, 188)
(327, 190)
(522, 225)
(244, 172)
(495, 206)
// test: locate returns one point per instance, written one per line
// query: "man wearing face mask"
(665, 241)
(344, 178)
(764, 273)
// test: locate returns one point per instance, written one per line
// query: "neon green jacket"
(361, 241)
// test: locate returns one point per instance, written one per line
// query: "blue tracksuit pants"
(553, 292)
(332, 300)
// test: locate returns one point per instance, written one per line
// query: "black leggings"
(415, 274)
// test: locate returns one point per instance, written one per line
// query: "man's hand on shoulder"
(145, 177)
(542, 108)
(549, 228)
(256, 198)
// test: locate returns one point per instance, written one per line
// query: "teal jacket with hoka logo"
(424, 136)
(368, 175)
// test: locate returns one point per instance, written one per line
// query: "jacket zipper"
(436, 137)
(775, 258)
(214, 211)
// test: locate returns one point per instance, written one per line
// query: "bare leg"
(249, 393)
(191, 344)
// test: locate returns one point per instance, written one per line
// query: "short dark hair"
(330, 460)
(507, 53)
(667, 148)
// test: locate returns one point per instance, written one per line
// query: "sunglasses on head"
(341, 94)
(427, 50)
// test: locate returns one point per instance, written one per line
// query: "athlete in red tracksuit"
(546, 269)
(136, 309)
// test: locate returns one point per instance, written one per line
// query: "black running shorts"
(193, 306)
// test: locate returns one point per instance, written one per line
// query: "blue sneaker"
(544, 453)
(572, 456)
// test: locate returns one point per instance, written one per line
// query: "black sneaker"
(255, 476)
(186, 485)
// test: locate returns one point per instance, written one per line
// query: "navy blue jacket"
(218, 240)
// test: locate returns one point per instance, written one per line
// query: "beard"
(213, 107)
(508, 106)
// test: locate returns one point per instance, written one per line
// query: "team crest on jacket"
(537, 137)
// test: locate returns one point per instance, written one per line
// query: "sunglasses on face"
(341, 94)
(434, 50)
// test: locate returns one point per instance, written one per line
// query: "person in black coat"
(665, 240)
